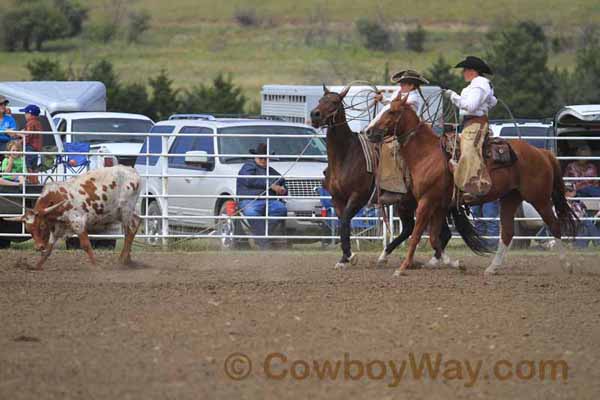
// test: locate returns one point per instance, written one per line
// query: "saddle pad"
(368, 151)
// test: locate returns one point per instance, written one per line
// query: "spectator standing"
(7, 124)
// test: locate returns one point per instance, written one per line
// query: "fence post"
(164, 159)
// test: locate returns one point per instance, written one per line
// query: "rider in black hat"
(474, 103)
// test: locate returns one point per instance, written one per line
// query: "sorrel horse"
(534, 177)
(351, 185)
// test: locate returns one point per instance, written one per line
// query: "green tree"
(164, 97)
(441, 74)
(374, 34)
(586, 79)
(34, 22)
(75, 13)
(138, 22)
(519, 57)
(45, 69)
(103, 71)
(132, 98)
(222, 97)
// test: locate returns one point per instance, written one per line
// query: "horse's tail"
(566, 215)
(468, 232)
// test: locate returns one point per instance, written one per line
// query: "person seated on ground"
(249, 186)
(7, 124)
(33, 141)
(584, 169)
(13, 162)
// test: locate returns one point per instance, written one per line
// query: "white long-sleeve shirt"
(414, 100)
(476, 99)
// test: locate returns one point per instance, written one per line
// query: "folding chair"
(71, 164)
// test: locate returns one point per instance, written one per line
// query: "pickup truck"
(69, 107)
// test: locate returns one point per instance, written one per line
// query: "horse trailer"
(294, 103)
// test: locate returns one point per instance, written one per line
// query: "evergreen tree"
(222, 97)
(586, 79)
(442, 74)
(45, 69)
(519, 55)
(164, 98)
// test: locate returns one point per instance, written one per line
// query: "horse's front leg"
(347, 214)
(408, 224)
(424, 211)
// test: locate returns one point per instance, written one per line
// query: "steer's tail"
(468, 232)
(566, 216)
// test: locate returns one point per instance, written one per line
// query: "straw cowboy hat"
(475, 63)
(409, 76)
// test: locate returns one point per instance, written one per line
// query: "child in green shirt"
(13, 162)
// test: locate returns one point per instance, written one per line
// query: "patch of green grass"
(196, 39)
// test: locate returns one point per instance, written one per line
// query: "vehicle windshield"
(291, 147)
(120, 125)
(539, 131)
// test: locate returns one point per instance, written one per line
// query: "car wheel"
(153, 225)
(226, 228)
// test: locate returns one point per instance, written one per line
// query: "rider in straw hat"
(392, 179)
(474, 103)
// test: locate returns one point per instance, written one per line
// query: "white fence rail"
(182, 216)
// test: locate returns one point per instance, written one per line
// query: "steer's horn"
(48, 210)
(20, 218)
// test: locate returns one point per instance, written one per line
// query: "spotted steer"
(95, 200)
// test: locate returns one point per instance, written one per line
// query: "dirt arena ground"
(167, 328)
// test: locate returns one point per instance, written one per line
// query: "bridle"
(329, 118)
(403, 137)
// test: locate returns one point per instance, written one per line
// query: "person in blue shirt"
(249, 186)
(7, 124)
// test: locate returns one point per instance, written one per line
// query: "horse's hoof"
(491, 270)
(383, 259)
(433, 263)
(353, 259)
(341, 266)
(399, 272)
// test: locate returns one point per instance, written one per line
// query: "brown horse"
(351, 185)
(534, 177)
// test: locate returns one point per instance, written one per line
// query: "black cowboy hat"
(475, 63)
(409, 76)
(259, 150)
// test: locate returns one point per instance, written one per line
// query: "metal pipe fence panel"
(197, 212)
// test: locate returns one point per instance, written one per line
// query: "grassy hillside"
(195, 39)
